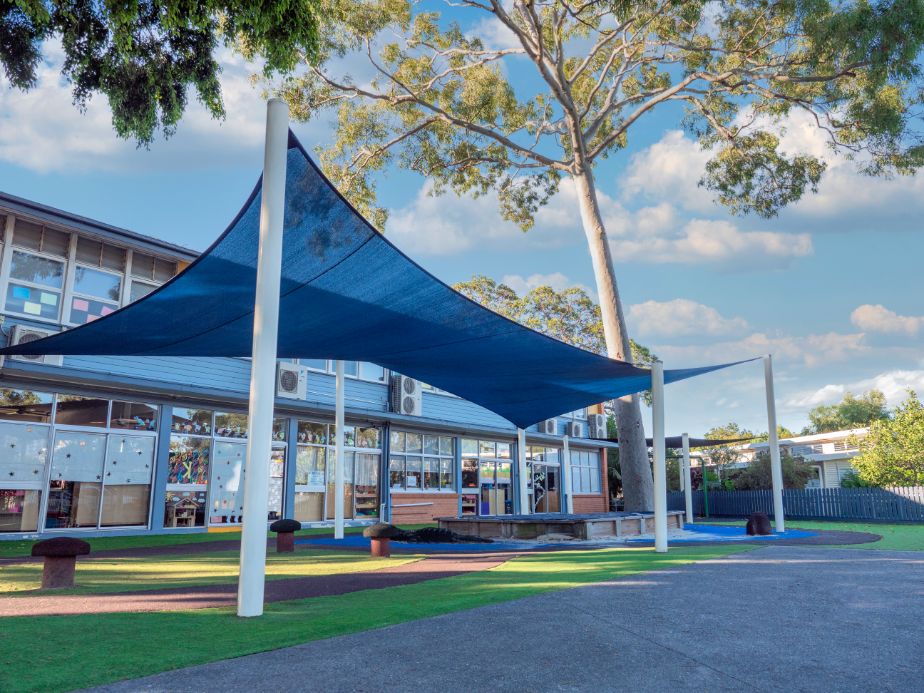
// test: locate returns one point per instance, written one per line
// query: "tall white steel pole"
(522, 473)
(566, 486)
(338, 454)
(687, 480)
(263, 364)
(660, 467)
(776, 469)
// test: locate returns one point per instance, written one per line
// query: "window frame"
(10, 280)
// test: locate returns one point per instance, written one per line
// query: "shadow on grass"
(133, 645)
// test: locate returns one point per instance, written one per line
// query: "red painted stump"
(285, 534)
(60, 556)
(381, 548)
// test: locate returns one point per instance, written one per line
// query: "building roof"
(814, 438)
(51, 215)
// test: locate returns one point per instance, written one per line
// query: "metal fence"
(898, 504)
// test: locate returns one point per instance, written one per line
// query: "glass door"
(546, 495)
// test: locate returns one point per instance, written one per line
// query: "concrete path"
(777, 618)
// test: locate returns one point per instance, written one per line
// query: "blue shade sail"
(348, 293)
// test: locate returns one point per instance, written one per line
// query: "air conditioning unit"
(549, 427)
(23, 335)
(406, 395)
(573, 429)
(596, 424)
(291, 381)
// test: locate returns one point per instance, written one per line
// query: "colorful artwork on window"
(188, 463)
(32, 301)
(84, 310)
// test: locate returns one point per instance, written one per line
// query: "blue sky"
(831, 287)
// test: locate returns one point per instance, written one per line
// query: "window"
(351, 369)
(316, 466)
(74, 410)
(585, 471)
(25, 405)
(187, 481)
(139, 290)
(35, 285)
(420, 462)
(96, 294)
(24, 447)
(133, 416)
(157, 269)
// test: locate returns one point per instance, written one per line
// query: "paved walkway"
(776, 618)
(208, 596)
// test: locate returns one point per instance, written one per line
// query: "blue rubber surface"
(727, 533)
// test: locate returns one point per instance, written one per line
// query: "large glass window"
(420, 462)
(187, 480)
(76, 482)
(127, 480)
(487, 473)
(316, 472)
(23, 456)
(96, 294)
(35, 285)
(74, 410)
(25, 405)
(585, 471)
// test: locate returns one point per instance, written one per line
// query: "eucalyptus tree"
(145, 57)
(571, 79)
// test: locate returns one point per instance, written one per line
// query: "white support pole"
(338, 454)
(566, 486)
(687, 480)
(522, 473)
(263, 364)
(660, 467)
(776, 469)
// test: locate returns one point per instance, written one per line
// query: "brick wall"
(590, 504)
(441, 505)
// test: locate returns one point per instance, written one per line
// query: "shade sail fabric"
(348, 293)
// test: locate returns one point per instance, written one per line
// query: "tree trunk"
(637, 483)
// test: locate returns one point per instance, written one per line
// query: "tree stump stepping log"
(60, 556)
(380, 536)
(758, 525)
(285, 534)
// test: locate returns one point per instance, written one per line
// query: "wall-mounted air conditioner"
(573, 429)
(549, 427)
(291, 381)
(22, 335)
(406, 395)
(596, 425)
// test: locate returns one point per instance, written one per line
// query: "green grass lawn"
(98, 576)
(894, 537)
(22, 547)
(70, 652)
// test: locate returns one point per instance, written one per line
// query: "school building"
(106, 445)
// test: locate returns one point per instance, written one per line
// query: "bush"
(757, 475)
(852, 480)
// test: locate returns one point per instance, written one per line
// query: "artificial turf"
(895, 537)
(127, 574)
(71, 652)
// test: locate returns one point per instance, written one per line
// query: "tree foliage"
(444, 101)
(757, 475)
(892, 453)
(144, 56)
(569, 315)
(850, 412)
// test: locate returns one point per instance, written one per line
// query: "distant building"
(830, 454)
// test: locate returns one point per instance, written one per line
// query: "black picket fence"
(898, 504)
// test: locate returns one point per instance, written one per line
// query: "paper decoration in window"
(85, 310)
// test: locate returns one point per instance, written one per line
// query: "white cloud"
(449, 224)
(43, 131)
(681, 317)
(713, 241)
(878, 318)
(809, 350)
(893, 384)
(669, 169)
(556, 280)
